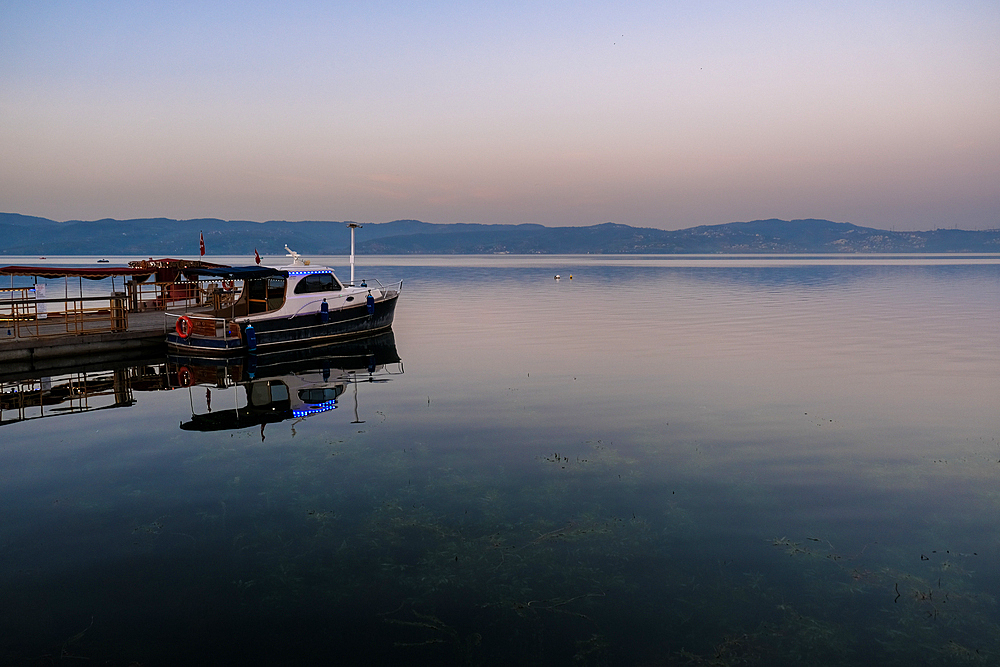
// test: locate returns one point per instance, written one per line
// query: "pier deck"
(40, 330)
(52, 346)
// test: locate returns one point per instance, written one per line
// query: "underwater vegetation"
(403, 555)
(446, 561)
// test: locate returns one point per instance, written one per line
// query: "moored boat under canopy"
(259, 309)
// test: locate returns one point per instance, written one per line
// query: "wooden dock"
(38, 332)
(49, 343)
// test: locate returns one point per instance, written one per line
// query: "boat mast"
(353, 226)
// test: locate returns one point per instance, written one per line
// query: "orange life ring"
(184, 376)
(184, 326)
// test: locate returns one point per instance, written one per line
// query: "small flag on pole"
(256, 256)
(201, 244)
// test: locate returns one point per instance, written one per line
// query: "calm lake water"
(658, 461)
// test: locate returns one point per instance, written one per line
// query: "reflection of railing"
(22, 400)
(36, 318)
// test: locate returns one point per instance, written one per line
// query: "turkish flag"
(256, 256)
(201, 244)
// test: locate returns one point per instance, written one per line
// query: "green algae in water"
(471, 567)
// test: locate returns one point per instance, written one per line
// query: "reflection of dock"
(292, 384)
(82, 391)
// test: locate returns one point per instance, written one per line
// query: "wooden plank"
(203, 327)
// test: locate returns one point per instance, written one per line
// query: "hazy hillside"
(26, 235)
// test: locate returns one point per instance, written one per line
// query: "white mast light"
(353, 226)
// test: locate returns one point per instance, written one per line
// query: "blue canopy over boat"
(236, 272)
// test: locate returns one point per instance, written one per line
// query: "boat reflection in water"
(293, 384)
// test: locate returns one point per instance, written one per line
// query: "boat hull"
(354, 354)
(278, 333)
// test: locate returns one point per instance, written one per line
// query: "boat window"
(275, 288)
(279, 391)
(317, 282)
(315, 395)
(275, 293)
(266, 393)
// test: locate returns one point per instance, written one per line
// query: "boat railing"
(185, 294)
(27, 317)
(395, 287)
(204, 325)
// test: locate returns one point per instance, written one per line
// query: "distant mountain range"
(147, 237)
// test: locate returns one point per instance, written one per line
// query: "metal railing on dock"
(26, 317)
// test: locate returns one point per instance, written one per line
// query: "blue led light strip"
(321, 407)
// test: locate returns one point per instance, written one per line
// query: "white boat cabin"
(302, 292)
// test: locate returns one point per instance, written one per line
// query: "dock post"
(119, 312)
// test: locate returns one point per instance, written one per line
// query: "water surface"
(657, 461)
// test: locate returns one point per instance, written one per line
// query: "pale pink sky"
(661, 114)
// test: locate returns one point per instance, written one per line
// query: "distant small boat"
(102, 261)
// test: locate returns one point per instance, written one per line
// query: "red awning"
(96, 273)
(141, 268)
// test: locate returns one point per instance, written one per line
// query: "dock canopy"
(235, 272)
(97, 273)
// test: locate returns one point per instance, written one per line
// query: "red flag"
(256, 256)
(201, 244)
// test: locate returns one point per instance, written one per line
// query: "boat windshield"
(317, 395)
(317, 282)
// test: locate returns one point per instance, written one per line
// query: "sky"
(655, 114)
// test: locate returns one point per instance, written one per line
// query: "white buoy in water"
(557, 276)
